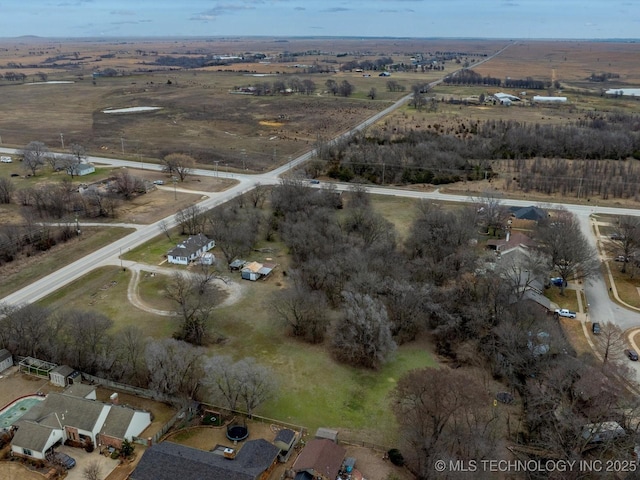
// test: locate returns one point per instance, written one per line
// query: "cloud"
(224, 9)
(123, 13)
(337, 10)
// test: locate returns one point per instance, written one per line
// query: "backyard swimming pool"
(13, 412)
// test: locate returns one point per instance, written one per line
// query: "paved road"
(601, 307)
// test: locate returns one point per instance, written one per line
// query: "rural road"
(600, 306)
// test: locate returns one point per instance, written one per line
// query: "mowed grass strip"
(626, 286)
(40, 265)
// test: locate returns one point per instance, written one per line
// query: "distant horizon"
(468, 19)
(346, 37)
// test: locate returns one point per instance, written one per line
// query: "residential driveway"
(83, 459)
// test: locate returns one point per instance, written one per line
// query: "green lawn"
(314, 390)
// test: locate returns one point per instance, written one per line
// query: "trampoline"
(237, 433)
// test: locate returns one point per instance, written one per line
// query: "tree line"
(170, 367)
(470, 77)
(465, 151)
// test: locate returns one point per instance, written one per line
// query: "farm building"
(190, 249)
(505, 98)
(541, 99)
(6, 359)
(61, 417)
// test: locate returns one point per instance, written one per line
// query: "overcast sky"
(582, 19)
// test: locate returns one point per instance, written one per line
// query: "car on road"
(314, 182)
(563, 312)
(633, 356)
(595, 328)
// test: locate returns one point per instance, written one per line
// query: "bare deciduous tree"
(174, 367)
(191, 220)
(196, 297)
(625, 240)
(34, 156)
(244, 382)
(304, 311)
(179, 164)
(93, 471)
(363, 336)
(443, 414)
(569, 251)
(7, 187)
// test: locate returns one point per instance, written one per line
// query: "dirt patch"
(14, 470)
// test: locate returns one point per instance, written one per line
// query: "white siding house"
(61, 417)
(187, 251)
(33, 440)
(6, 359)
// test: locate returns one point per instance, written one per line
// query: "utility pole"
(62, 140)
(216, 162)
(244, 155)
(175, 192)
(122, 143)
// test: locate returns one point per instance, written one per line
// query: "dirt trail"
(233, 289)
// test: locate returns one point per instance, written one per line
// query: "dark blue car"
(557, 281)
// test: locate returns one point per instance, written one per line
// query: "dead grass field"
(627, 287)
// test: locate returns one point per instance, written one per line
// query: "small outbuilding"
(81, 169)
(541, 99)
(63, 375)
(327, 433)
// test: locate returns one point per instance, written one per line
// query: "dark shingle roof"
(190, 246)
(168, 461)
(322, 456)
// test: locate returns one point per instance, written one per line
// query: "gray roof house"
(168, 461)
(190, 249)
(6, 359)
(61, 417)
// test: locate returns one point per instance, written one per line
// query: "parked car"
(616, 236)
(158, 182)
(65, 460)
(314, 182)
(595, 328)
(557, 281)
(4, 159)
(621, 258)
(633, 356)
(563, 312)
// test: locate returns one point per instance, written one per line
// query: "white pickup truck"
(563, 312)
